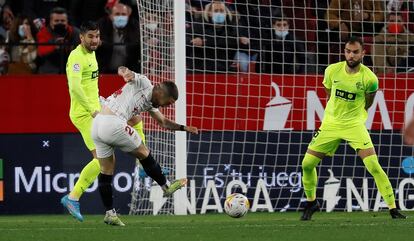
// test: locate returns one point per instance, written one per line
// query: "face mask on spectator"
(281, 34)
(60, 29)
(21, 31)
(120, 21)
(219, 18)
(151, 26)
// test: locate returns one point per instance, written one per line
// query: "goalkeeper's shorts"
(327, 139)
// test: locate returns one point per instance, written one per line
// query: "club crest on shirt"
(359, 86)
(76, 67)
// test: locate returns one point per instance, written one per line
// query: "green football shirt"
(82, 74)
(346, 106)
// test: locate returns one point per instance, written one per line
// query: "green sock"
(381, 180)
(310, 178)
(87, 176)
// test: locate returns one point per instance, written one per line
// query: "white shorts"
(109, 131)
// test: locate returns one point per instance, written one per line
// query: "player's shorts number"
(129, 130)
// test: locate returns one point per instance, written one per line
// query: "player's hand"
(191, 129)
(94, 114)
(126, 73)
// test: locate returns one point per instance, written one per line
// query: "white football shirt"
(132, 99)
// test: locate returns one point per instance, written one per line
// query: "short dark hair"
(171, 88)
(58, 10)
(88, 26)
(353, 40)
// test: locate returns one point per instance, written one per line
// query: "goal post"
(180, 197)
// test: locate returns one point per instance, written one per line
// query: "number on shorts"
(129, 130)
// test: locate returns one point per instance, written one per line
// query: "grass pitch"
(254, 226)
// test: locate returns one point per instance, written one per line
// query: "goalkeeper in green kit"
(351, 88)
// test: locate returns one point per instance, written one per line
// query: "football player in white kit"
(110, 130)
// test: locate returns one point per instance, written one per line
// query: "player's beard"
(354, 63)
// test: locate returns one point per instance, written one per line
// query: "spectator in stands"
(391, 49)
(4, 57)
(284, 53)
(350, 17)
(42, 8)
(212, 43)
(22, 50)
(7, 17)
(61, 37)
(355, 16)
(157, 43)
(248, 32)
(120, 41)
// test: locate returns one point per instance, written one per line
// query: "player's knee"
(374, 168)
(307, 166)
(142, 152)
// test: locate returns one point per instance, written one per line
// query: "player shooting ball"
(110, 130)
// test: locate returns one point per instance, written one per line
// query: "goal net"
(156, 19)
(254, 88)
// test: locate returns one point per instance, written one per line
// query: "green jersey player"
(351, 88)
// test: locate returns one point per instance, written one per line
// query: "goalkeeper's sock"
(139, 127)
(105, 189)
(86, 178)
(153, 170)
(381, 180)
(310, 178)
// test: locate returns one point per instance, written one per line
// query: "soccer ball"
(236, 205)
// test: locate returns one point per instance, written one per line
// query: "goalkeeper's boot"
(310, 208)
(176, 185)
(395, 214)
(111, 218)
(73, 207)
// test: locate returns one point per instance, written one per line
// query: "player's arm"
(74, 74)
(128, 75)
(369, 99)
(327, 83)
(328, 93)
(171, 125)
(370, 92)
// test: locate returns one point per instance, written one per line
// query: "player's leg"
(360, 140)
(92, 169)
(104, 133)
(324, 142)
(88, 173)
(131, 142)
(153, 169)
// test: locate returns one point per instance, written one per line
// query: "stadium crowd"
(263, 36)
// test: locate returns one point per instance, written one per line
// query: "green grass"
(254, 226)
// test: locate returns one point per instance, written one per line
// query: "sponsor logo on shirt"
(95, 74)
(345, 95)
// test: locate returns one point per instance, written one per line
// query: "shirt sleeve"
(372, 85)
(74, 73)
(327, 82)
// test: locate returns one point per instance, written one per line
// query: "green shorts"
(327, 139)
(84, 125)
